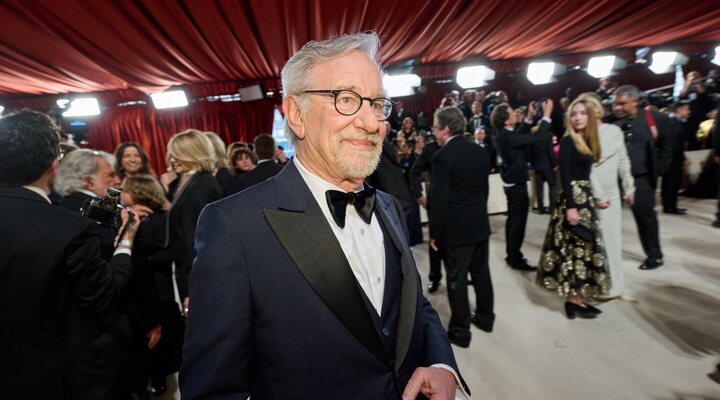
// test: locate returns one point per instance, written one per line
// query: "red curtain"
(151, 128)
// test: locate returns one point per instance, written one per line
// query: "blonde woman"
(612, 164)
(573, 261)
(223, 176)
(192, 158)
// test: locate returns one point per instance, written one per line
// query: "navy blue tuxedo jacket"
(276, 312)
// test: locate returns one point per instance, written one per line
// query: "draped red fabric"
(53, 46)
(233, 121)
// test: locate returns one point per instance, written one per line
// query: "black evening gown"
(573, 259)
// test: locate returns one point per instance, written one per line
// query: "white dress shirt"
(363, 247)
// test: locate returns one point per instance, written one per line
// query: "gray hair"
(453, 118)
(295, 72)
(627, 90)
(76, 167)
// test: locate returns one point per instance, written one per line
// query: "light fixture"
(80, 107)
(171, 99)
(716, 60)
(664, 61)
(2, 109)
(474, 76)
(603, 66)
(540, 73)
(401, 85)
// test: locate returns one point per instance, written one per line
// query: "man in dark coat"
(264, 145)
(56, 285)
(304, 285)
(459, 226)
(673, 177)
(649, 150)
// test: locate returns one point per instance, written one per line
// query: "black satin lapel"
(408, 292)
(309, 240)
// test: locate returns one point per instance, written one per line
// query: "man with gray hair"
(304, 285)
(649, 149)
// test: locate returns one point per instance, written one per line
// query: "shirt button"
(362, 231)
(386, 332)
(378, 280)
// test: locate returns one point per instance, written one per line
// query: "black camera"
(105, 210)
(539, 104)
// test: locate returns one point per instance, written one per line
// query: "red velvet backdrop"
(153, 128)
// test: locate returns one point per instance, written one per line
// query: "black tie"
(364, 202)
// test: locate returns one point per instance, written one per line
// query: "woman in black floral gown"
(573, 261)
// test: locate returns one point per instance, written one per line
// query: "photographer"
(56, 286)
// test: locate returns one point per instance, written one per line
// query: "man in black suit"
(423, 164)
(304, 285)
(512, 144)
(673, 177)
(650, 153)
(399, 115)
(544, 163)
(56, 285)
(459, 226)
(265, 151)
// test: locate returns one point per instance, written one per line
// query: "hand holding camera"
(547, 108)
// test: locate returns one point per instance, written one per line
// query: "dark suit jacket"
(459, 191)
(54, 289)
(276, 311)
(201, 189)
(422, 163)
(541, 154)
(263, 171)
(677, 134)
(226, 180)
(648, 156)
(512, 146)
(396, 121)
(389, 177)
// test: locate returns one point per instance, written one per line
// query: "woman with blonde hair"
(613, 163)
(222, 173)
(192, 158)
(573, 261)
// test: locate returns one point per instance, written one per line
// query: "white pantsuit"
(613, 164)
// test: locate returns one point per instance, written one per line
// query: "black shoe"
(459, 340)
(593, 309)
(484, 323)
(521, 265)
(433, 287)
(651, 264)
(716, 223)
(572, 310)
(677, 211)
(545, 210)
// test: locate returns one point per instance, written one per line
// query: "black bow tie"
(363, 201)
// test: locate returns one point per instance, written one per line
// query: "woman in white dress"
(613, 164)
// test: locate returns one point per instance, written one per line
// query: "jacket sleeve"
(219, 338)
(440, 192)
(567, 149)
(421, 164)
(624, 166)
(197, 198)
(663, 145)
(97, 282)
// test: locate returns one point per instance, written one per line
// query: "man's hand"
(141, 211)
(630, 199)
(547, 108)
(154, 336)
(186, 306)
(132, 225)
(433, 245)
(434, 383)
(422, 201)
(603, 204)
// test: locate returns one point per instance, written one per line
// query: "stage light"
(664, 61)
(80, 107)
(474, 76)
(2, 109)
(716, 60)
(603, 66)
(540, 73)
(171, 99)
(401, 85)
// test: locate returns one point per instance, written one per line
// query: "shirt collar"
(38, 191)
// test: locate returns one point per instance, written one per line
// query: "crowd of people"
(283, 287)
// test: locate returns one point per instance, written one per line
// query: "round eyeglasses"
(348, 102)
